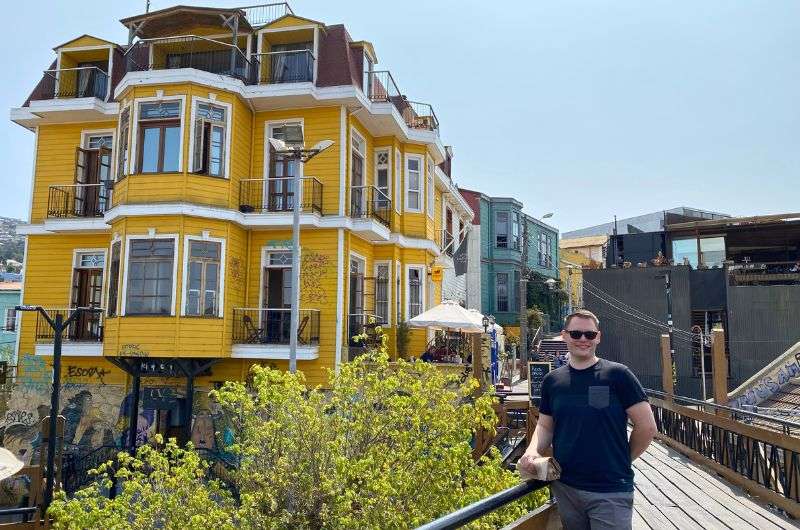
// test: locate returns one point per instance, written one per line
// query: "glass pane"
(383, 180)
(413, 181)
(195, 272)
(96, 142)
(684, 252)
(413, 164)
(172, 145)
(193, 303)
(413, 200)
(212, 274)
(215, 157)
(713, 251)
(167, 109)
(152, 136)
(210, 303)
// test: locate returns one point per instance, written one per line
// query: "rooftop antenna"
(147, 6)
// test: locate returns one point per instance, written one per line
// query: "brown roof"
(737, 221)
(338, 63)
(165, 22)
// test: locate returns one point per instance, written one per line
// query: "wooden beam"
(719, 369)
(756, 490)
(667, 382)
(544, 517)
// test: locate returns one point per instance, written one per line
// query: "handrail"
(786, 424)
(480, 508)
(192, 36)
(309, 52)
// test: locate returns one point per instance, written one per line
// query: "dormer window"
(368, 66)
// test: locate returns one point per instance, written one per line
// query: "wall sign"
(536, 373)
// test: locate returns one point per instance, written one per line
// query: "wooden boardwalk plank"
(733, 497)
(639, 523)
(730, 496)
(654, 518)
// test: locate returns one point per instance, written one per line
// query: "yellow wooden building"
(157, 197)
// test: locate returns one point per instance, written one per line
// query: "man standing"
(584, 412)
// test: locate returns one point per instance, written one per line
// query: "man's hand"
(525, 463)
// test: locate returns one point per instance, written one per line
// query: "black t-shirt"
(590, 438)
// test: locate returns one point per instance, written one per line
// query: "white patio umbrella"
(449, 315)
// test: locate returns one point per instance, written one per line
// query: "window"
(208, 157)
(515, 294)
(11, 319)
(383, 178)
(712, 252)
(501, 292)
(113, 280)
(202, 296)
(150, 277)
(413, 184)
(398, 291)
(545, 250)
(368, 66)
(91, 260)
(124, 131)
(515, 240)
(501, 230)
(431, 190)
(382, 289)
(398, 191)
(358, 196)
(416, 291)
(159, 137)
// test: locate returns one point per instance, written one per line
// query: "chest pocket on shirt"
(598, 397)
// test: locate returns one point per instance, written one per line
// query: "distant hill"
(12, 246)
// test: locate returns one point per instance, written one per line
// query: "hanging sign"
(436, 273)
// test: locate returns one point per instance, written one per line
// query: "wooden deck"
(672, 492)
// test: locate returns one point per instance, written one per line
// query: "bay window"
(159, 137)
(150, 276)
(414, 184)
(203, 278)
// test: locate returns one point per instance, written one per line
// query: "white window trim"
(355, 134)
(268, 126)
(388, 265)
(185, 283)
(430, 188)
(5, 320)
(265, 250)
(228, 120)
(85, 134)
(107, 281)
(75, 253)
(126, 170)
(389, 182)
(128, 239)
(133, 155)
(363, 267)
(397, 161)
(398, 271)
(422, 285)
(421, 189)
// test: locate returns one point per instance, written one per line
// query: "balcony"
(191, 51)
(368, 202)
(85, 82)
(276, 195)
(83, 337)
(295, 66)
(772, 273)
(264, 14)
(76, 201)
(266, 333)
(380, 87)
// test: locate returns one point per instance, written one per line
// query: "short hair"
(582, 313)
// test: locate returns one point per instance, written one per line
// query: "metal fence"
(370, 202)
(258, 15)
(273, 326)
(82, 82)
(294, 66)
(87, 327)
(77, 200)
(277, 195)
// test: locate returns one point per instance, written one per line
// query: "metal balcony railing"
(273, 326)
(84, 82)
(87, 327)
(277, 195)
(772, 273)
(191, 51)
(370, 202)
(380, 86)
(258, 15)
(296, 66)
(77, 200)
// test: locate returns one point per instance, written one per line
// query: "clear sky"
(583, 108)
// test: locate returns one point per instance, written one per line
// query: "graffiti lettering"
(20, 416)
(132, 350)
(90, 372)
(766, 387)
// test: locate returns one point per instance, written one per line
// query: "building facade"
(649, 222)
(742, 274)
(502, 224)
(158, 198)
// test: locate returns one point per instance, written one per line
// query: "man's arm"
(644, 427)
(542, 439)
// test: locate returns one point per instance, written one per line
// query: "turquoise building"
(9, 298)
(498, 230)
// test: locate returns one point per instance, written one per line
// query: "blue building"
(499, 228)
(9, 298)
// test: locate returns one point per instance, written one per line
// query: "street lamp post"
(58, 324)
(286, 148)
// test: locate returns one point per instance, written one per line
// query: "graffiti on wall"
(768, 385)
(313, 268)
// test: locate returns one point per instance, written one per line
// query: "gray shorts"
(589, 510)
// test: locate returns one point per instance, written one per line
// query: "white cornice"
(273, 351)
(72, 349)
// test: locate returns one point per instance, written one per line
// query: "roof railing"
(261, 14)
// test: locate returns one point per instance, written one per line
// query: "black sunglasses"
(576, 334)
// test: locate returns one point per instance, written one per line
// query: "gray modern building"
(649, 222)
